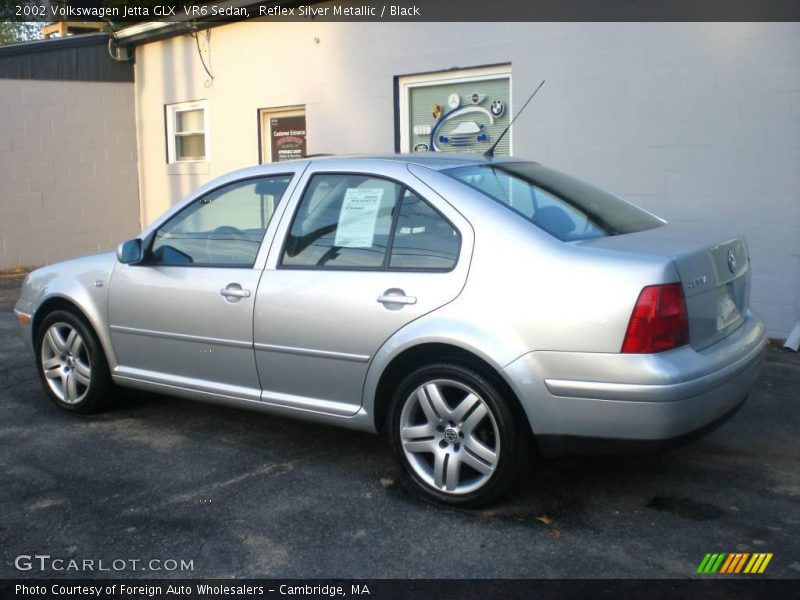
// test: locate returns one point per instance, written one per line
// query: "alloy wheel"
(65, 363)
(449, 436)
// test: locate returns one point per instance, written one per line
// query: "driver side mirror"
(130, 252)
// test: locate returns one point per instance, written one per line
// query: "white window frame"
(407, 82)
(172, 111)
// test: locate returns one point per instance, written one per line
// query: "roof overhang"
(151, 31)
(51, 44)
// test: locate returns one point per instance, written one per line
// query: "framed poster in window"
(463, 110)
(283, 134)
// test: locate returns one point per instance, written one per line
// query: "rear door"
(361, 252)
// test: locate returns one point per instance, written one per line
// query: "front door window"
(223, 228)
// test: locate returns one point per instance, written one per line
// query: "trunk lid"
(715, 276)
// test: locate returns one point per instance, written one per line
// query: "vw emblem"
(731, 261)
(451, 435)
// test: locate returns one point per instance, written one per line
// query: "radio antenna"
(490, 151)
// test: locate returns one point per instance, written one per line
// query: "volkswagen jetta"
(470, 308)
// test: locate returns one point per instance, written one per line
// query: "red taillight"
(658, 322)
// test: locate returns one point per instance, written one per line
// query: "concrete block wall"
(68, 178)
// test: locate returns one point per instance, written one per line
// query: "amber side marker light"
(23, 318)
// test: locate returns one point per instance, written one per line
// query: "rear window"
(563, 206)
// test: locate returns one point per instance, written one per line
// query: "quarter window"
(423, 239)
(358, 221)
(223, 228)
(187, 131)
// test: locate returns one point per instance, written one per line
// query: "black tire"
(95, 396)
(506, 425)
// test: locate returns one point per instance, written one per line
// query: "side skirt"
(360, 421)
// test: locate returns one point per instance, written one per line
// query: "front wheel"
(455, 435)
(71, 363)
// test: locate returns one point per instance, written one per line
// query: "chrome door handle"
(396, 297)
(234, 290)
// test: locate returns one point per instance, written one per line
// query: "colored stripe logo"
(734, 563)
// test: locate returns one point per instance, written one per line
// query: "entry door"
(363, 255)
(184, 316)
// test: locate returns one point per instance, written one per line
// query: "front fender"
(83, 282)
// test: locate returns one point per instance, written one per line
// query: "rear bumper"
(578, 402)
(561, 445)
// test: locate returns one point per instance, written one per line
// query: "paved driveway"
(243, 494)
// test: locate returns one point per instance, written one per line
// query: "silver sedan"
(470, 308)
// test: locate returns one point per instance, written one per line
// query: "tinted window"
(223, 228)
(423, 238)
(342, 221)
(565, 207)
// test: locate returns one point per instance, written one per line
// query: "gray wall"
(697, 122)
(68, 181)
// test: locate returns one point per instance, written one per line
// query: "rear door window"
(342, 221)
(355, 221)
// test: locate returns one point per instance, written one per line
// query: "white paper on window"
(358, 217)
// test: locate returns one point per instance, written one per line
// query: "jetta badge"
(697, 282)
(731, 261)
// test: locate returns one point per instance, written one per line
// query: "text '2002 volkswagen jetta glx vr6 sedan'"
(467, 306)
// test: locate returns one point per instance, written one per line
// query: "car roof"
(437, 161)
(432, 160)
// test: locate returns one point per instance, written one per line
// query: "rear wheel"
(455, 436)
(71, 363)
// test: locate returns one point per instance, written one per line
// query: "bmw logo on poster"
(288, 137)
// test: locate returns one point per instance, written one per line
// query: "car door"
(183, 317)
(363, 252)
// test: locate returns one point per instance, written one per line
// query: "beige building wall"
(68, 183)
(698, 122)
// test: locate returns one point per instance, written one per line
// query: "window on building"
(187, 132)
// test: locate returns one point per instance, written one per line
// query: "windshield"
(563, 206)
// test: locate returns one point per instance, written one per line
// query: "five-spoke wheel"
(449, 436)
(71, 363)
(452, 430)
(66, 363)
